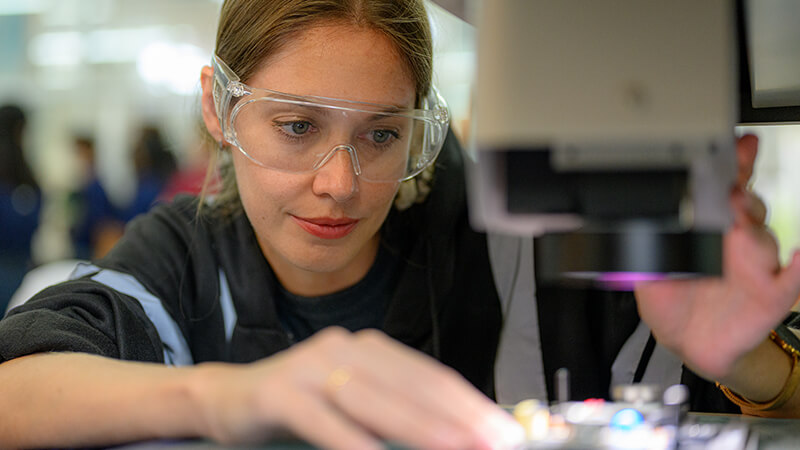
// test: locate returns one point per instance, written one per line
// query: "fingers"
(752, 254)
(323, 426)
(748, 208)
(397, 420)
(429, 386)
(755, 268)
(746, 151)
(403, 395)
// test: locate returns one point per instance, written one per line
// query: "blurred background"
(106, 117)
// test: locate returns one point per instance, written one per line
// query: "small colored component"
(626, 419)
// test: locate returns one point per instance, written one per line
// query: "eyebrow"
(317, 109)
(393, 109)
(378, 111)
(377, 116)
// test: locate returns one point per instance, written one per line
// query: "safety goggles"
(299, 134)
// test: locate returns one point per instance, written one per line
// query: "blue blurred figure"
(20, 203)
(154, 164)
(97, 223)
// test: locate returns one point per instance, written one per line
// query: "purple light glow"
(621, 277)
(626, 281)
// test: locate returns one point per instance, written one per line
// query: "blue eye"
(381, 136)
(298, 128)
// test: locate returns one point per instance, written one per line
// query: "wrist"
(226, 401)
(204, 392)
(179, 400)
(768, 380)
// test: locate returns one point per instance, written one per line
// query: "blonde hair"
(250, 31)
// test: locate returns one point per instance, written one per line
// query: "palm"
(712, 322)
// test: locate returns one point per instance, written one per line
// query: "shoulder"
(169, 250)
(169, 226)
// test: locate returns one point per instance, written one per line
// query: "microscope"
(605, 131)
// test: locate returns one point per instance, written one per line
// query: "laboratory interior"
(105, 70)
(106, 97)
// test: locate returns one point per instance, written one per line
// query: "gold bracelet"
(786, 392)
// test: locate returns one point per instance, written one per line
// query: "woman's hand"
(343, 390)
(713, 323)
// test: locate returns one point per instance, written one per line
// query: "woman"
(232, 283)
(322, 109)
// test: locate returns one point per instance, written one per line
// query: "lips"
(326, 227)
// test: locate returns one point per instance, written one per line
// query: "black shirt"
(357, 307)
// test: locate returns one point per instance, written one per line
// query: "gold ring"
(337, 379)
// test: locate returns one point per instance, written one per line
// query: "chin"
(328, 259)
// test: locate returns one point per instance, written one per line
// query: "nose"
(337, 175)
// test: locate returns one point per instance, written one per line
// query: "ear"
(209, 111)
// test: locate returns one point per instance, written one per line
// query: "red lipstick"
(326, 227)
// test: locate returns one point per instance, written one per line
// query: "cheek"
(379, 198)
(261, 191)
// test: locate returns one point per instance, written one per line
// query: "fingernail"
(506, 432)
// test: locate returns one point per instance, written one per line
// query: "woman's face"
(319, 230)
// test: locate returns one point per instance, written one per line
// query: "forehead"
(339, 61)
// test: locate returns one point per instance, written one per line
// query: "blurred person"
(20, 203)
(154, 164)
(97, 223)
(191, 175)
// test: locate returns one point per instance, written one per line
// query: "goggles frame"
(228, 89)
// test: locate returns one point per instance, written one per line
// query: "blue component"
(626, 419)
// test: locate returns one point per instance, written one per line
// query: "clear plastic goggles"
(299, 134)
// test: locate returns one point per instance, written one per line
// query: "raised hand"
(712, 323)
